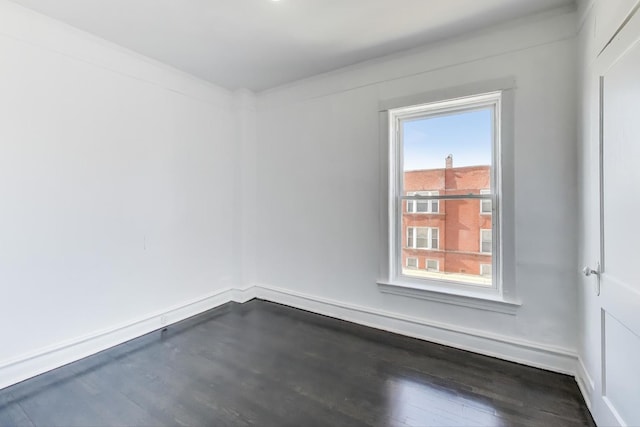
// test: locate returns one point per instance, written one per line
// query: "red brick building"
(447, 236)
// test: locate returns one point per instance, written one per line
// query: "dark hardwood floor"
(263, 364)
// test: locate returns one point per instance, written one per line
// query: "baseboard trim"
(520, 351)
(585, 382)
(45, 359)
(243, 295)
(529, 353)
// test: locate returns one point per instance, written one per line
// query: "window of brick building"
(422, 238)
(485, 205)
(412, 262)
(432, 265)
(486, 242)
(444, 160)
(422, 206)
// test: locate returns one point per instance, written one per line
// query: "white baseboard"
(243, 295)
(525, 352)
(520, 351)
(585, 383)
(45, 359)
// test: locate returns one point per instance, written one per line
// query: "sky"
(466, 136)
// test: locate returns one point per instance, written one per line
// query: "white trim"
(529, 353)
(585, 383)
(495, 100)
(45, 359)
(243, 295)
(447, 106)
(468, 297)
(503, 347)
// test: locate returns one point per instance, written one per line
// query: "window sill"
(464, 298)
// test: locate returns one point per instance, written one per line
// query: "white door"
(617, 394)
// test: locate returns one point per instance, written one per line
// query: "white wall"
(318, 185)
(116, 187)
(130, 190)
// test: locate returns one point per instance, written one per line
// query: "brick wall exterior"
(458, 221)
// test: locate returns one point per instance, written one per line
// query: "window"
(486, 242)
(485, 270)
(485, 204)
(412, 262)
(422, 206)
(422, 238)
(452, 148)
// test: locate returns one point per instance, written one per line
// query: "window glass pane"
(422, 240)
(486, 242)
(485, 205)
(432, 144)
(422, 206)
(449, 154)
(434, 238)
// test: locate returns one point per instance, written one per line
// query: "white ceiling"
(259, 44)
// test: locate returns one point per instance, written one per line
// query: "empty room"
(319, 213)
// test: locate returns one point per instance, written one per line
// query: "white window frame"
(397, 196)
(502, 295)
(412, 205)
(417, 262)
(412, 233)
(426, 265)
(484, 201)
(482, 240)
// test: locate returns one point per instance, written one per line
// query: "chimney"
(449, 161)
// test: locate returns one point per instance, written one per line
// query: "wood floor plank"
(263, 364)
(11, 413)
